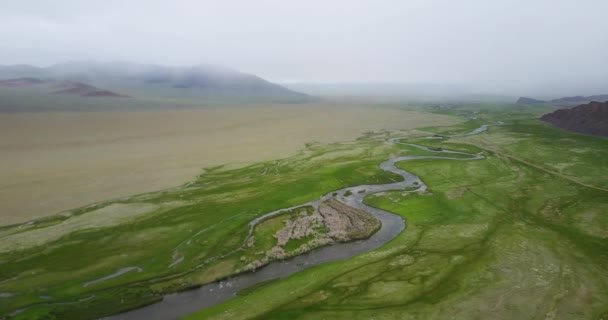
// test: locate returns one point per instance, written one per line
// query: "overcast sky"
(512, 44)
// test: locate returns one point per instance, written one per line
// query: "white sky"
(508, 44)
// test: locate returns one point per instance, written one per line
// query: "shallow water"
(118, 273)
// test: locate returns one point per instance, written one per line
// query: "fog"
(540, 47)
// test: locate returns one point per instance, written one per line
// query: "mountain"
(52, 86)
(134, 79)
(22, 82)
(565, 101)
(576, 100)
(525, 100)
(19, 71)
(591, 118)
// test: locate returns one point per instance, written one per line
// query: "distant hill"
(58, 87)
(83, 90)
(576, 100)
(200, 82)
(591, 118)
(22, 82)
(565, 101)
(525, 100)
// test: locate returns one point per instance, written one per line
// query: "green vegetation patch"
(496, 238)
(179, 238)
(519, 234)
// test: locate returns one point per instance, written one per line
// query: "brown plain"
(51, 162)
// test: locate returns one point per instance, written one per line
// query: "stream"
(180, 304)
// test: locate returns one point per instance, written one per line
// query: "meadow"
(522, 233)
(169, 234)
(511, 236)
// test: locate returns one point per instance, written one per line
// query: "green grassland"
(45, 264)
(522, 234)
(574, 156)
(497, 238)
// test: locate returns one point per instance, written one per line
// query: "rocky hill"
(591, 118)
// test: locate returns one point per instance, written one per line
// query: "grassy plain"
(509, 236)
(56, 161)
(169, 234)
(499, 238)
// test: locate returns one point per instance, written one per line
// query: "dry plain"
(55, 161)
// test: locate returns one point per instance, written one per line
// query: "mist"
(542, 47)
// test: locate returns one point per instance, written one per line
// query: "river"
(176, 305)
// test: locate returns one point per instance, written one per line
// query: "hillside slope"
(589, 118)
(83, 90)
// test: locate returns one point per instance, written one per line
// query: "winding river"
(183, 303)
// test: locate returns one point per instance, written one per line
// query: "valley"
(470, 233)
(304, 160)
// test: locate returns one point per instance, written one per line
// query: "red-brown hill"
(591, 118)
(84, 90)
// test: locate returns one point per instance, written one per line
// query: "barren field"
(57, 161)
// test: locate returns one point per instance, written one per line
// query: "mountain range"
(565, 101)
(135, 79)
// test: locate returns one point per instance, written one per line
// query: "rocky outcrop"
(332, 221)
(589, 118)
(345, 223)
